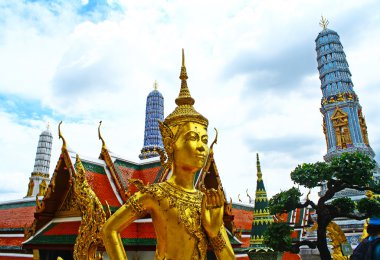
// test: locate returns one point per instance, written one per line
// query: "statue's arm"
(212, 221)
(133, 209)
(221, 245)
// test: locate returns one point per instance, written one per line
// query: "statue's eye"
(192, 136)
(205, 140)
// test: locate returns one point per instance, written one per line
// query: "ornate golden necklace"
(189, 208)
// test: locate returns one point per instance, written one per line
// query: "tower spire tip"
(324, 22)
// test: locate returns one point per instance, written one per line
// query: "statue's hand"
(212, 211)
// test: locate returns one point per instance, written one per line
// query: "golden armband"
(218, 242)
(136, 206)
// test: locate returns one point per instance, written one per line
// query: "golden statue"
(185, 219)
(42, 188)
(30, 188)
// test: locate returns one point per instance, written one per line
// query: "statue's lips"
(201, 156)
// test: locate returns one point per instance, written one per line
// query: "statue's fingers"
(209, 198)
(221, 197)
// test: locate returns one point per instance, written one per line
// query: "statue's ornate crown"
(184, 112)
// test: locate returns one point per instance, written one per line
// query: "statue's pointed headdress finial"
(324, 22)
(184, 97)
(184, 112)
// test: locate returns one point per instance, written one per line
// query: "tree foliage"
(277, 236)
(284, 201)
(370, 207)
(311, 175)
(348, 171)
(344, 205)
(353, 169)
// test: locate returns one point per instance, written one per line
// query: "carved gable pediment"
(69, 207)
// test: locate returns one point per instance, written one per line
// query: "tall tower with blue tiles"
(344, 124)
(152, 136)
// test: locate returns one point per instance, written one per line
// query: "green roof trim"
(54, 239)
(10, 248)
(112, 208)
(93, 167)
(158, 174)
(139, 241)
(15, 230)
(18, 205)
(137, 166)
(242, 207)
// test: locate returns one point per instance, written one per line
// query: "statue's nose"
(201, 148)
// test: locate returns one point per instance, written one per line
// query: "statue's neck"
(183, 178)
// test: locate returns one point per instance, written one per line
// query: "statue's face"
(190, 149)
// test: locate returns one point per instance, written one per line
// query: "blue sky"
(252, 71)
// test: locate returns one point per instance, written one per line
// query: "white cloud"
(85, 70)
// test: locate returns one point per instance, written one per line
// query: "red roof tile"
(17, 217)
(125, 172)
(63, 228)
(102, 188)
(242, 218)
(11, 241)
(149, 175)
(245, 241)
(139, 230)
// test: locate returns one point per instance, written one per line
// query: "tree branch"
(307, 203)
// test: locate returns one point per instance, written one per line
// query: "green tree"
(349, 171)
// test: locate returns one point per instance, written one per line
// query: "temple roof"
(15, 215)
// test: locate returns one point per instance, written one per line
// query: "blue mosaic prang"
(152, 136)
(337, 92)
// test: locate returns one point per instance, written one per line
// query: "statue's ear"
(167, 136)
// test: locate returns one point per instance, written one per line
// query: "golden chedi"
(187, 221)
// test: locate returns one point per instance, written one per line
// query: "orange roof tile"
(242, 218)
(64, 228)
(17, 217)
(11, 241)
(139, 230)
(102, 188)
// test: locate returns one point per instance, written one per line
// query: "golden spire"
(100, 136)
(324, 22)
(155, 85)
(259, 174)
(61, 137)
(48, 126)
(184, 97)
(184, 112)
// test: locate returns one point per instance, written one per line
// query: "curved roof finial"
(100, 136)
(324, 22)
(64, 147)
(214, 142)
